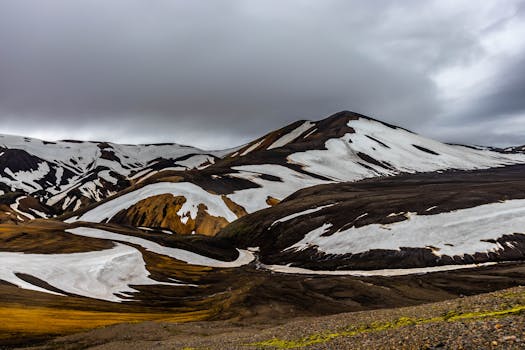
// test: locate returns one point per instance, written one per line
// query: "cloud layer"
(216, 74)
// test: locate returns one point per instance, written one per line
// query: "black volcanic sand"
(486, 321)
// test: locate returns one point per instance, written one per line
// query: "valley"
(345, 214)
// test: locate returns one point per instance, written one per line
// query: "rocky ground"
(486, 321)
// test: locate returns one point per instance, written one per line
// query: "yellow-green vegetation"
(43, 320)
(450, 316)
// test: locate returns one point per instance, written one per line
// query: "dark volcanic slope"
(378, 205)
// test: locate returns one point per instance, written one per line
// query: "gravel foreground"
(487, 321)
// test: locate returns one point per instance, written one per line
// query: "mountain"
(66, 175)
(341, 148)
(319, 217)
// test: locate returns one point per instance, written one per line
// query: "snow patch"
(245, 257)
(252, 147)
(368, 273)
(304, 212)
(253, 199)
(194, 195)
(292, 135)
(98, 274)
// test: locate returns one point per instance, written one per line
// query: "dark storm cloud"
(215, 73)
(506, 95)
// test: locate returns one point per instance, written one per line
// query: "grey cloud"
(506, 95)
(217, 74)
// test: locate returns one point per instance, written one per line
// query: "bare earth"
(486, 321)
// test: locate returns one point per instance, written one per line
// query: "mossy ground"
(449, 316)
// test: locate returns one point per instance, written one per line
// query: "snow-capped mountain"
(65, 175)
(341, 148)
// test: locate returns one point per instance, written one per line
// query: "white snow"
(15, 206)
(26, 180)
(244, 257)
(139, 174)
(39, 213)
(105, 174)
(78, 203)
(86, 155)
(194, 195)
(98, 274)
(67, 202)
(310, 133)
(452, 233)
(367, 273)
(292, 135)
(197, 161)
(150, 174)
(252, 147)
(58, 175)
(254, 199)
(340, 160)
(301, 213)
(81, 158)
(91, 189)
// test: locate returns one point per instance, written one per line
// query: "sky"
(216, 74)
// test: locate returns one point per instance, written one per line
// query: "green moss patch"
(450, 316)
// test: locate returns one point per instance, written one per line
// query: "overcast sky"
(216, 74)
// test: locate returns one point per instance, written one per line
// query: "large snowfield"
(105, 274)
(459, 232)
(99, 275)
(399, 151)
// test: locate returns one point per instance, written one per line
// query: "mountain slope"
(343, 147)
(407, 221)
(67, 175)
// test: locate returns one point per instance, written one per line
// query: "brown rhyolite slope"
(160, 212)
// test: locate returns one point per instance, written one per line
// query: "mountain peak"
(303, 135)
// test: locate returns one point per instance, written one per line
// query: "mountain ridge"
(345, 146)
